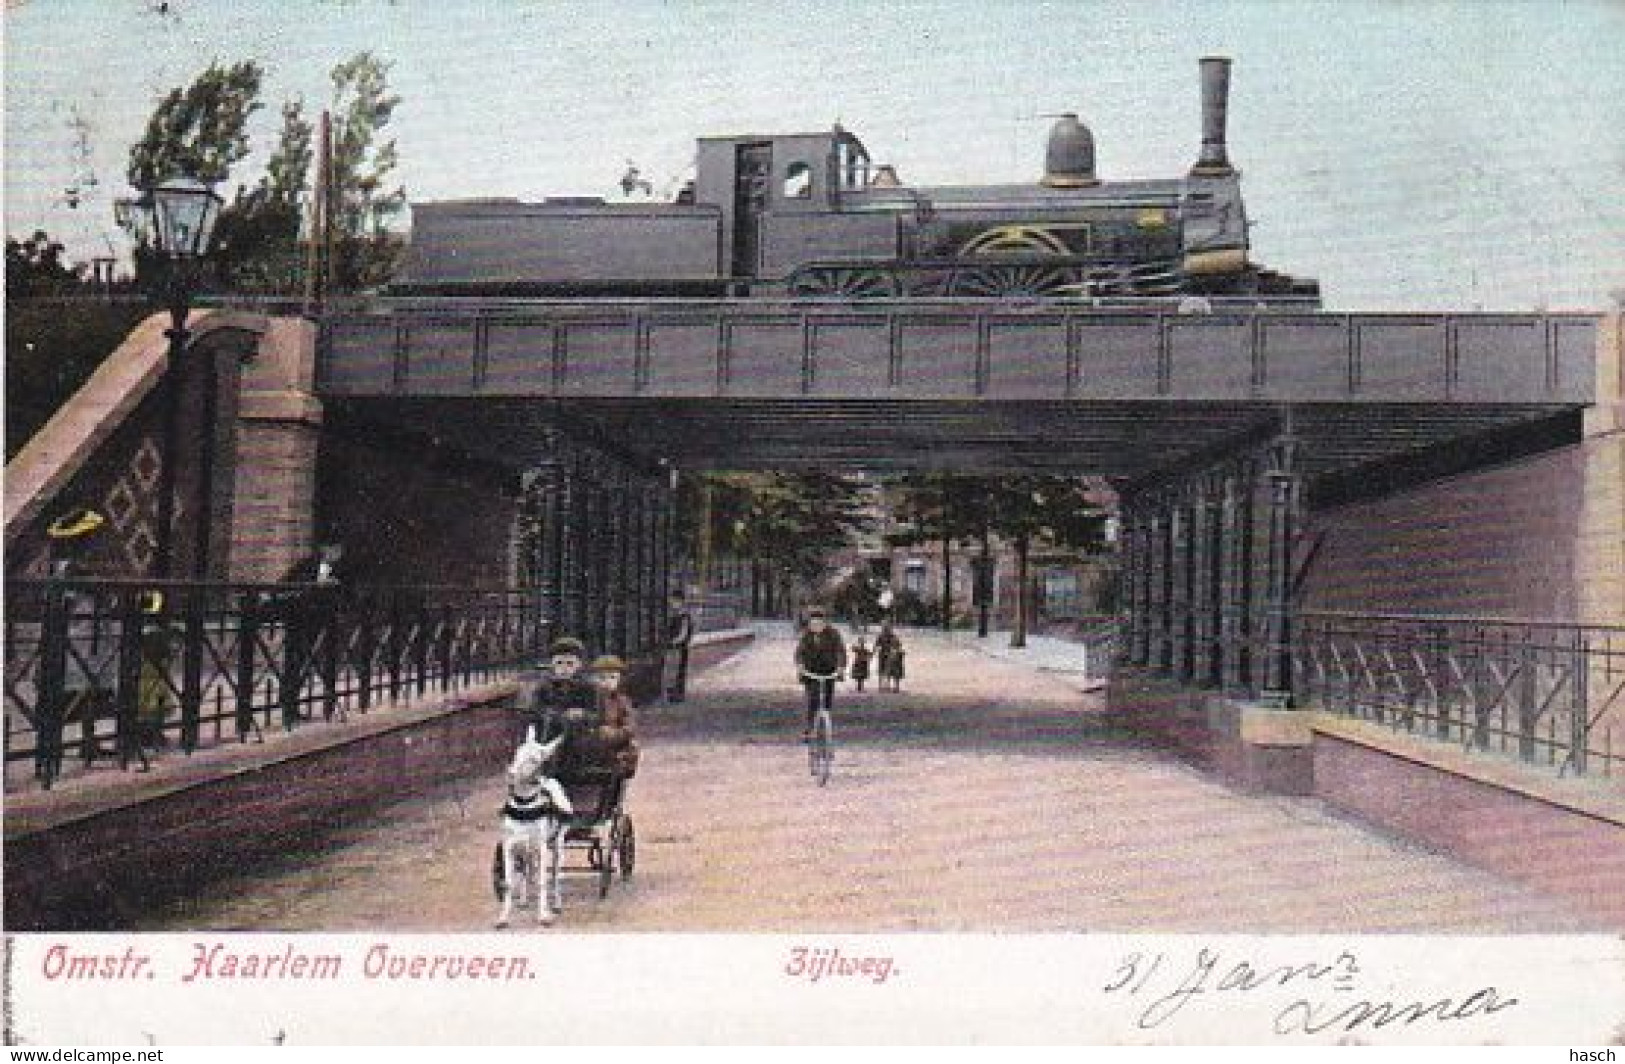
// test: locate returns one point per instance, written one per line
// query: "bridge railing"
(122, 668)
(1548, 693)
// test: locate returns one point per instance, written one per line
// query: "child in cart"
(560, 689)
(600, 750)
(616, 729)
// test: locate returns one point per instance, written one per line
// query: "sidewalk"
(1069, 662)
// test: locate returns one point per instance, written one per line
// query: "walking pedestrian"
(860, 663)
(889, 649)
(894, 671)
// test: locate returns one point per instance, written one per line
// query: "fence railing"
(1546, 692)
(130, 667)
(1100, 639)
(717, 612)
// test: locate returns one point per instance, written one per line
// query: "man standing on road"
(820, 660)
(307, 610)
(679, 637)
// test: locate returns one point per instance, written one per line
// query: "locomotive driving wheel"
(1027, 275)
(1001, 281)
(842, 282)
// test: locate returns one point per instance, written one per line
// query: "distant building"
(1065, 587)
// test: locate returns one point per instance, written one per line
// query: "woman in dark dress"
(889, 649)
(860, 663)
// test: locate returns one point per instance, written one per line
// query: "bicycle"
(821, 743)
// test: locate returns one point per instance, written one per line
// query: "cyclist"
(820, 660)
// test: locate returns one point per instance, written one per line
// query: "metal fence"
(1099, 637)
(121, 669)
(717, 611)
(1547, 692)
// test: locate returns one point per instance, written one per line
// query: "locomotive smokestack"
(1215, 100)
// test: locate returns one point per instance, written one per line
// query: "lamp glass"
(185, 210)
(135, 216)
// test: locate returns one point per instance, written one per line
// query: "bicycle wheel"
(823, 747)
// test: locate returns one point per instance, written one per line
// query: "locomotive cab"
(782, 201)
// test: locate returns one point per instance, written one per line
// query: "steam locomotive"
(810, 216)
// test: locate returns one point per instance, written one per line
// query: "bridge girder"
(979, 385)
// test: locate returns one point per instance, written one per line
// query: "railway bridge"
(1356, 545)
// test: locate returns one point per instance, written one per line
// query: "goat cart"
(599, 830)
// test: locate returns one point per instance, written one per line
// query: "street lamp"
(175, 221)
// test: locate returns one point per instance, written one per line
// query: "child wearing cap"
(598, 751)
(616, 727)
(89, 672)
(561, 690)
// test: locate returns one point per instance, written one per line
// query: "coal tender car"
(810, 216)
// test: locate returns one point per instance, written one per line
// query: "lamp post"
(175, 220)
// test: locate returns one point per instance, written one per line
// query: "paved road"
(987, 796)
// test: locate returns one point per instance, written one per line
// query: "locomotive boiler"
(810, 216)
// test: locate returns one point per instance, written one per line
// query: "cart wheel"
(606, 865)
(499, 883)
(629, 847)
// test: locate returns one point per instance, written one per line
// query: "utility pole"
(316, 254)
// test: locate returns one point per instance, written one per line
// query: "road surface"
(987, 796)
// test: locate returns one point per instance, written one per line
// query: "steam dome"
(1069, 162)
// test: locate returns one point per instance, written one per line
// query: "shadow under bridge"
(1220, 431)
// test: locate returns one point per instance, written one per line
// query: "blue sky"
(1416, 155)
